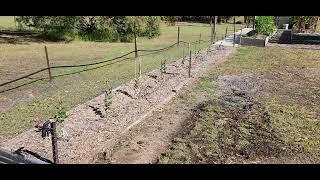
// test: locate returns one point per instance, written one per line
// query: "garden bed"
(254, 39)
(306, 38)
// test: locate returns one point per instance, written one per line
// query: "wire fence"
(180, 44)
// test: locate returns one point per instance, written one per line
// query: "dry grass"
(285, 130)
(23, 107)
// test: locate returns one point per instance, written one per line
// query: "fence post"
(189, 48)
(189, 69)
(136, 55)
(234, 31)
(200, 38)
(54, 142)
(214, 26)
(48, 63)
(226, 32)
(183, 56)
(178, 41)
(212, 39)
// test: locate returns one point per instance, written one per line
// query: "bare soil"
(85, 133)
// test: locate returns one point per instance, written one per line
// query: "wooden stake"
(183, 54)
(140, 70)
(178, 40)
(214, 26)
(48, 63)
(234, 31)
(189, 69)
(212, 38)
(54, 142)
(189, 47)
(226, 32)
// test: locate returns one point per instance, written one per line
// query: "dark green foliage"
(102, 28)
(153, 26)
(265, 24)
(61, 113)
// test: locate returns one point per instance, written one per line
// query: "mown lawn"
(282, 126)
(7, 23)
(21, 108)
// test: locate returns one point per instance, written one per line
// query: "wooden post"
(214, 26)
(226, 32)
(189, 47)
(183, 54)
(234, 31)
(135, 45)
(54, 142)
(200, 38)
(136, 54)
(212, 39)
(189, 69)
(140, 69)
(178, 41)
(48, 63)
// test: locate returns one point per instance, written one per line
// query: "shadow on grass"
(25, 38)
(61, 75)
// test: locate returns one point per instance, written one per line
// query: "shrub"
(265, 24)
(152, 27)
(105, 28)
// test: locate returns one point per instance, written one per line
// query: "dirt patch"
(233, 128)
(84, 133)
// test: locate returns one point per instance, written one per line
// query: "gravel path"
(298, 46)
(228, 41)
(84, 133)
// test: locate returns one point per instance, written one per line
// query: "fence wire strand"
(152, 51)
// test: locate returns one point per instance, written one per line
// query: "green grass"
(7, 23)
(38, 101)
(291, 100)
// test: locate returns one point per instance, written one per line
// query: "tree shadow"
(25, 38)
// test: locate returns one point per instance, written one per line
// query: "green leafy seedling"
(107, 97)
(61, 113)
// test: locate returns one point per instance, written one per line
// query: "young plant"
(136, 83)
(61, 113)
(107, 97)
(265, 24)
(163, 67)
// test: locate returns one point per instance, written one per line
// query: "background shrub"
(92, 28)
(265, 24)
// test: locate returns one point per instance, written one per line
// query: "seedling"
(61, 113)
(163, 67)
(107, 97)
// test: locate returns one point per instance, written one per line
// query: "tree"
(303, 23)
(109, 28)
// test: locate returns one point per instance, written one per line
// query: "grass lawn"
(21, 108)
(282, 125)
(7, 23)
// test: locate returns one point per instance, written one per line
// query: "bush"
(152, 27)
(171, 20)
(92, 28)
(265, 24)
